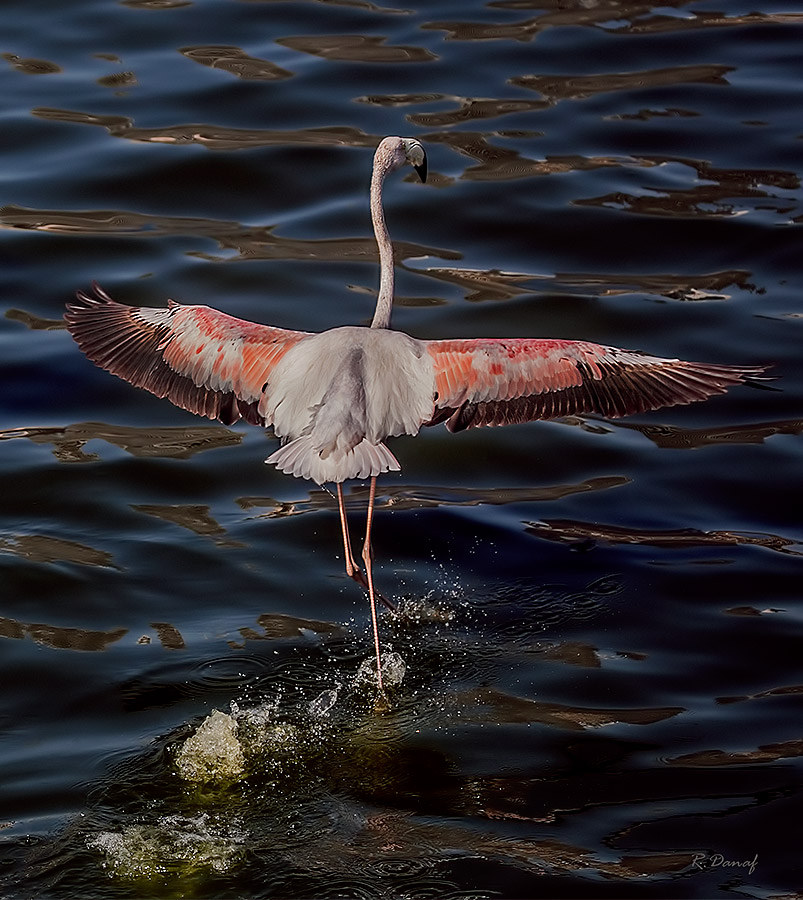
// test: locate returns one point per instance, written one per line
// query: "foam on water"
(172, 844)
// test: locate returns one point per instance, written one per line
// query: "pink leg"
(352, 569)
(351, 565)
(366, 555)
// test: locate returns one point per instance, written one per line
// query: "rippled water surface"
(597, 651)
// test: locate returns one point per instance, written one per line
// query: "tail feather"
(300, 458)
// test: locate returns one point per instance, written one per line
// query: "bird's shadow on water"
(296, 754)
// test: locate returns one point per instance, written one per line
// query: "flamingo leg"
(366, 555)
(352, 569)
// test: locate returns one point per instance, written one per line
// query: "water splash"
(323, 703)
(393, 670)
(432, 608)
(214, 752)
(172, 844)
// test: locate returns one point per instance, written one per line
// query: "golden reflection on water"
(482, 285)
(169, 636)
(237, 62)
(247, 242)
(30, 66)
(763, 753)
(41, 548)
(145, 442)
(34, 322)
(356, 48)
(276, 626)
(214, 137)
(156, 4)
(617, 16)
(579, 87)
(587, 533)
(677, 438)
(194, 517)
(60, 637)
(118, 80)
(430, 496)
(493, 706)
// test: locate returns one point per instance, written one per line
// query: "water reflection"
(714, 198)
(156, 4)
(696, 287)
(60, 637)
(31, 66)
(658, 23)
(356, 48)
(238, 241)
(118, 80)
(481, 285)
(573, 653)
(619, 16)
(42, 548)
(762, 754)
(490, 705)
(276, 626)
(147, 443)
(586, 534)
(579, 87)
(194, 517)
(404, 497)
(169, 636)
(470, 108)
(237, 62)
(793, 689)
(34, 322)
(214, 137)
(678, 438)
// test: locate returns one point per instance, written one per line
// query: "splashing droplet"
(321, 705)
(393, 670)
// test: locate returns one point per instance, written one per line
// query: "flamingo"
(334, 397)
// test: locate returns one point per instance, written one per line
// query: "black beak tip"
(422, 170)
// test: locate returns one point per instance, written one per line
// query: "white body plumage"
(335, 396)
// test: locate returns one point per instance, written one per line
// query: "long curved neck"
(384, 302)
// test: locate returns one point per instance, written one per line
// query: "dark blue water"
(599, 623)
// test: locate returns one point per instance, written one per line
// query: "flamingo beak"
(422, 170)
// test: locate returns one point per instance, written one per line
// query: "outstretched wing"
(202, 360)
(503, 382)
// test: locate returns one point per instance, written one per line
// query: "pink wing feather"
(503, 382)
(202, 360)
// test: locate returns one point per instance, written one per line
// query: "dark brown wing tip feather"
(619, 392)
(755, 377)
(111, 337)
(87, 301)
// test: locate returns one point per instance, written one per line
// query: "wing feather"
(202, 360)
(503, 382)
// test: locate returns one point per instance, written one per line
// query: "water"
(598, 638)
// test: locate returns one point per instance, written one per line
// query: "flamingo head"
(393, 152)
